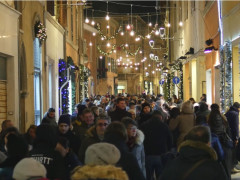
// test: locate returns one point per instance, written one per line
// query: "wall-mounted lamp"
(209, 42)
(191, 51)
(151, 43)
(209, 49)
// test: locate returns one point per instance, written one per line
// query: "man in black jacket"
(197, 160)
(120, 111)
(64, 131)
(158, 140)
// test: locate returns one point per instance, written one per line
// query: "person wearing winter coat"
(94, 135)
(116, 134)
(135, 142)
(184, 122)
(145, 114)
(196, 160)
(158, 141)
(120, 111)
(49, 117)
(17, 149)
(233, 120)
(202, 114)
(64, 124)
(44, 152)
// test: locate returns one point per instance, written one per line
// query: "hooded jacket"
(191, 152)
(91, 138)
(51, 121)
(138, 151)
(184, 122)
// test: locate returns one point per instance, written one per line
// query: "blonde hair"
(98, 172)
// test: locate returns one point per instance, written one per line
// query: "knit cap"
(28, 168)
(65, 118)
(102, 154)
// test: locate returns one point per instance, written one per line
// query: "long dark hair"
(215, 112)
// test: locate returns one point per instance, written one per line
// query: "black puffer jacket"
(192, 152)
(118, 114)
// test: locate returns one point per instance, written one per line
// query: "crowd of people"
(125, 138)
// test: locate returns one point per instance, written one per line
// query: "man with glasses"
(94, 135)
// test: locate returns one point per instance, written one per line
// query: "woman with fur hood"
(184, 122)
(135, 142)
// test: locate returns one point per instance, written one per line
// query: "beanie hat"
(29, 168)
(102, 154)
(65, 118)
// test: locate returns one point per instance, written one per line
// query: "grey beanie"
(102, 154)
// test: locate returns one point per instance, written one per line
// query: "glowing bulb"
(150, 24)
(93, 22)
(131, 62)
(156, 33)
(168, 24)
(109, 64)
(126, 45)
(125, 67)
(136, 68)
(108, 45)
(149, 65)
(90, 44)
(126, 55)
(118, 64)
(108, 26)
(114, 51)
(128, 60)
(148, 36)
(130, 66)
(107, 17)
(86, 20)
(102, 38)
(94, 34)
(140, 52)
(132, 33)
(100, 57)
(128, 26)
(146, 68)
(122, 33)
(180, 23)
(137, 39)
(153, 72)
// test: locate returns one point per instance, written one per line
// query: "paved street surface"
(236, 176)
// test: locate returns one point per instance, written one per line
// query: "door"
(3, 89)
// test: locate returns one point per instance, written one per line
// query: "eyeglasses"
(102, 124)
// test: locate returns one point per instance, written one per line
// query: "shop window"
(37, 81)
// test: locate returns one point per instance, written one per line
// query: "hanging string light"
(86, 20)
(93, 22)
(107, 16)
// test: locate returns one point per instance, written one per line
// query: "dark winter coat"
(201, 117)
(127, 161)
(74, 141)
(118, 114)
(91, 138)
(51, 159)
(71, 161)
(80, 129)
(138, 151)
(233, 121)
(158, 138)
(47, 120)
(192, 152)
(7, 166)
(143, 118)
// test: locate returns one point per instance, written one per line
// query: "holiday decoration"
(73, 87)
(228, 76)
(40, 31)
(106, 53)
(62, 66)
(222, 80)
(130, 53)
(104, 36)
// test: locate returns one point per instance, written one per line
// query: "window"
(37, 81)
(50, 84)
(101, 68)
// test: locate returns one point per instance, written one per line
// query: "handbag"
(226, 140)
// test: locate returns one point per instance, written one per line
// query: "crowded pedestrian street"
(119, 90)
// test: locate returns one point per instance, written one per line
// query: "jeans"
(153, 165)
